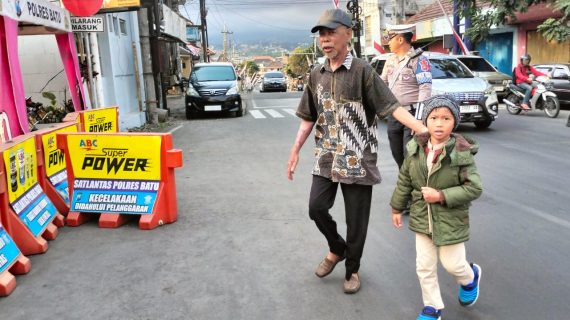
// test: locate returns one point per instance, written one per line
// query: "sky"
(259, 20)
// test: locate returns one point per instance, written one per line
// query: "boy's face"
(440, 123)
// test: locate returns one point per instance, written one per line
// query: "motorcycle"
(541, 98)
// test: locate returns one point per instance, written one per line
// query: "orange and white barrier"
(119, 175)
(27, 213)
(11, 262)
(52, 172)
(95, 120)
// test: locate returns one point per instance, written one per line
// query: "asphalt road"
(245, 248)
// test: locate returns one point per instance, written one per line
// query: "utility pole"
(203, 14)
(225, 33)
(356, 11)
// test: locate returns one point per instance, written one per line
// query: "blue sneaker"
(469, 294)
(429, 313)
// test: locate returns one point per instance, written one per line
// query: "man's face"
(334, 41)
(440, 123)
(395, 41)
(525, 62)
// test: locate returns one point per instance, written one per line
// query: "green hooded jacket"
(454, 174)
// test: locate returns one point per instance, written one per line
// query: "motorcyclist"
(524, 76)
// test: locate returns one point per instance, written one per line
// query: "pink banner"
(11, 83)
(68, 52)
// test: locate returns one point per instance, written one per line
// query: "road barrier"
(120, 175)
(27, 213)
(12, 262)
(95, 120)
(52, 172)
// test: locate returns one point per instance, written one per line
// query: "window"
(560, 73)
(116, 25)
(213, 73)
(477, 64)
(123, 26)
(448, 68)
(110, 22)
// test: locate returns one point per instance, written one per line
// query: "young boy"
(440, 178)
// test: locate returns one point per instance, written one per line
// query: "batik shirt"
(345, 104)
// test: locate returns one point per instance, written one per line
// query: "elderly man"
(344, 97)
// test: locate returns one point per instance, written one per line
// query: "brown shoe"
(326, 267)
(352, 285)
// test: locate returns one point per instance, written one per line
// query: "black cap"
(332, 19)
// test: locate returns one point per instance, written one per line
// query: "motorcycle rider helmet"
(527, 57)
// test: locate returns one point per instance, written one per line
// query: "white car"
(477, 100)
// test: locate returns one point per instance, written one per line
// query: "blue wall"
(498, 49)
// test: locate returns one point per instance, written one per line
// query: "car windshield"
(274, 75)
(213, 73)
(448, 68)
(477, 64)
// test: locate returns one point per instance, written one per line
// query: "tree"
(298, 64)
(505, 11)
(250, 67)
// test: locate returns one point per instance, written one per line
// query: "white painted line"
(256, 114)
(290, 111)
(174, 129)
(274, 113)
(546, 216)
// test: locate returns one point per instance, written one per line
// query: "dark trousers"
(398, 135)
(357, 200)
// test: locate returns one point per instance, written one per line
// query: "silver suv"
(477, 100)
(483, 69)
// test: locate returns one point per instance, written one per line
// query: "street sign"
(87, 24)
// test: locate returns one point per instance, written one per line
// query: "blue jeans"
(528, 88)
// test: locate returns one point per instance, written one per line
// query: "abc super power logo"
(115, 157)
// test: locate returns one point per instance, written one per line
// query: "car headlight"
(191, 91)
(489, 91)
(233, 90)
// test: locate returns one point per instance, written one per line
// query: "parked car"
(560, 75)
(274, 81)
(213, 87)
(483, 69)
(477, 99)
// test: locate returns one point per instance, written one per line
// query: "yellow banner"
(54, 158)
(115, 156)
(112, 4)
(21, 168)
(100, 120)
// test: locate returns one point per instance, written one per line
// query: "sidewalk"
(175, 104)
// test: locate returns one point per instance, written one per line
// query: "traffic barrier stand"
(95, 120)
(12, 262)
(27, 213)
(118, 175)
(52, 172)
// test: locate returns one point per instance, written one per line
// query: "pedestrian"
(440, 177)
(343, 97)
(408, 74)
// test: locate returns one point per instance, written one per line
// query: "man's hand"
(431, 195)
(292, 164)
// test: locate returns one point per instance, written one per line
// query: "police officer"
(408, 75)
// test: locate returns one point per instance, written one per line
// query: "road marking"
(256, 114)
(291, 112)
(536, 213)
(274, 113)
(174, 129)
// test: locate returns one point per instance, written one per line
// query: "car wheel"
(484, 124)
(189, 114)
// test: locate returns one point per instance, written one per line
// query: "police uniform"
(409, 79)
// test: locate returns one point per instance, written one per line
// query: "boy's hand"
(431, 195)
(397, 219)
